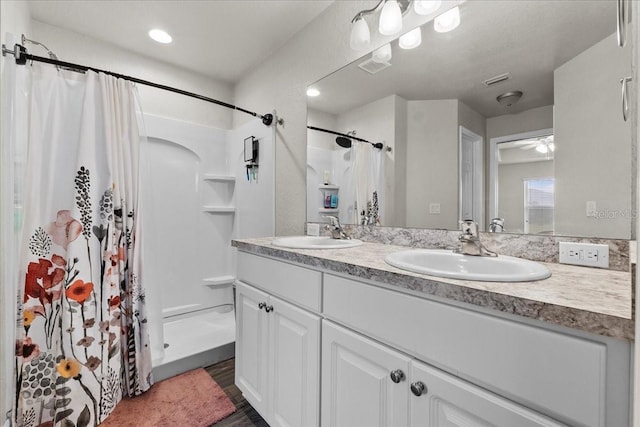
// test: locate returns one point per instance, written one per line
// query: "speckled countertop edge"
(593, 300)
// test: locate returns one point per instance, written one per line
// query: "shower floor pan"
(194, 341)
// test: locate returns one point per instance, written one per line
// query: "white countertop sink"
(446, 263)
(314, 242)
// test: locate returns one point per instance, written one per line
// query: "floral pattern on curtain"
(83, 330)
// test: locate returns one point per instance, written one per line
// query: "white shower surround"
(188, 260)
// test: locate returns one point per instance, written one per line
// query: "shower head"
(343, 142)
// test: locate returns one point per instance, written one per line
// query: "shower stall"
(195, 199)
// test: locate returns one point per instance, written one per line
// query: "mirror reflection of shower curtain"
(368, 184)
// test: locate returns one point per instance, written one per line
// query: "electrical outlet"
(434, 208)
(313, 229)
(588, 254)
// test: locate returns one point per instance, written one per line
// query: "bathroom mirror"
(555, 159)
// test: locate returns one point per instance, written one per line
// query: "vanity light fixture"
(360, 35)
(160, 36)
(448, 21)
(313, 92)
(382, 54)
(389, 23)
(411, 40)
(390, 18)
(425, 7)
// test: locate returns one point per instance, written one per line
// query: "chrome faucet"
(337, 232)
(496, 225)
(471, 244)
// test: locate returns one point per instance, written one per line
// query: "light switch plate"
(587, 254)
(434, 208)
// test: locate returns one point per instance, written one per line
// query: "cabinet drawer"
(290, 282)
(557, 374)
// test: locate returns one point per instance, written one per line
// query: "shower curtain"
(82, 331)
(368, 170)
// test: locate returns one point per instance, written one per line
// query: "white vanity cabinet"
(365, 383)
(380, 346)
(277, 347)
(357, 389)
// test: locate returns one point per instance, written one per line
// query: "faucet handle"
(335, 222)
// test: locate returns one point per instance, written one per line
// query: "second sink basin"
(446, 263)
(314, 242)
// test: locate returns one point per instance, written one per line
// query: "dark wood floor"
(245, 416)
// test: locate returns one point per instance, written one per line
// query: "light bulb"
(425, 7)
(447, 21)
(360, 35)
(160, 36)
(390, 19)
(382, 54)
(312, 92)
(411, 39)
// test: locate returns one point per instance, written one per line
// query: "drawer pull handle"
(418, 388)
(262, 305)
(397, 376)
(268, 308)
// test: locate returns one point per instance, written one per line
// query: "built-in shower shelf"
(219, 209)
(219, 280)
(328, 210)
(221, 178)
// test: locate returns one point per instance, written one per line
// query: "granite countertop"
(590, 299)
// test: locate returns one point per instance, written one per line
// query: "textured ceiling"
(528, 39)
(222, 39)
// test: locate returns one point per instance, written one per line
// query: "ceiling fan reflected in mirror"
(542, 145)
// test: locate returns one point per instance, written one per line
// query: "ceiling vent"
(497, 79)
(372, 67)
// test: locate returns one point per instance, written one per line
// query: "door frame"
(493, 162)
(477, 142)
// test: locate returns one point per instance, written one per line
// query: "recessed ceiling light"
(313, 92)
(160, 36)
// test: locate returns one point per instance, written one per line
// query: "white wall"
(526, 121)
(81, 49)
(588, 119)
(432, 163)
(280, 82)
(321, 139)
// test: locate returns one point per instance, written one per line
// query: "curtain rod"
(21, 56)
(378, 145)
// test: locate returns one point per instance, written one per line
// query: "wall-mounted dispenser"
(251, 151)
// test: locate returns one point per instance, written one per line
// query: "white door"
(251, 346)
(357, 389)
(294, 360)
(448, 401)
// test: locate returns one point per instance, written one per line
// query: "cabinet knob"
(268, 308)
(397, 376)
(262, 305)
(418, 388)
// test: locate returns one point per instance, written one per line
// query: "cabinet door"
(294, 361)
(251, 346)
(357, 389)
(448, 401)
